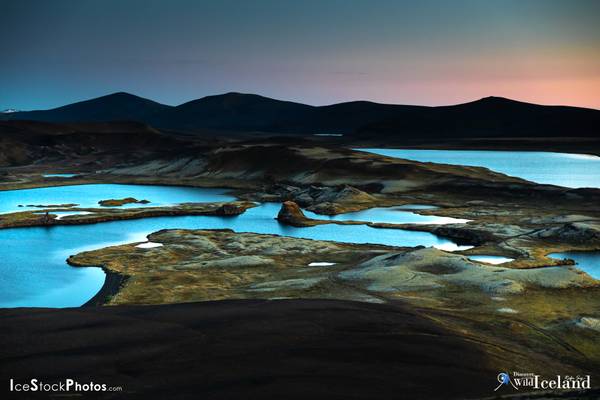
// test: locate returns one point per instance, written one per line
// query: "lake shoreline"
(574, 145)
(111, 286)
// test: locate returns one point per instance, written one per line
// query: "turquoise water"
(392, 215)
(34, 272)
(561, 169)
(89, 195)
(588, 261)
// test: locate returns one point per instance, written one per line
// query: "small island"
(120, 202)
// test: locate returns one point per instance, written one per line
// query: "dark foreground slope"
(246, 349)
(27, 142)
(294, 349)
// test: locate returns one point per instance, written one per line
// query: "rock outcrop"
(291, 214)
(347, 194)
(589, 323)
(351, 194)
(575, 233)
(465, 234)
(326, 208)
(327, 200)
(229, 209)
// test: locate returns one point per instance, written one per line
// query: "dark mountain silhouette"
(236, 111)
(489, 117)
(349, 117)
(113, 107)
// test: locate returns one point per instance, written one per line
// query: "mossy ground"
(541, 335)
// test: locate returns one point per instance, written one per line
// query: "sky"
(316, 52)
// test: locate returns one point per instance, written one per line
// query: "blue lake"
(89, 195)
(561, 169)
(588, 261)
(33, 271)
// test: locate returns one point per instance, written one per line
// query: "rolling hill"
(113, 107)
(490, 117)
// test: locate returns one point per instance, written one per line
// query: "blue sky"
(316, 52)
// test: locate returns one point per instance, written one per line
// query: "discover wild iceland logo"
(531, 381)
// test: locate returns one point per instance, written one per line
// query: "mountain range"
(238, 112)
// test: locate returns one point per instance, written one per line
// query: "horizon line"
(297, 102)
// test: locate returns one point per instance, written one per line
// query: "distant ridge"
(118, 106)
(239, 112)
